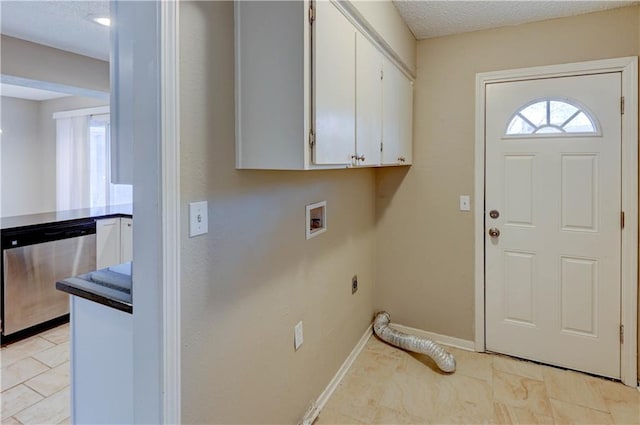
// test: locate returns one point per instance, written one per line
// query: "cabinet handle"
(401, 159)
(361, 157)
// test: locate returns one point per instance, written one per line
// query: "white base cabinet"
(101, 364)
(126, 240)
(114, 241)
(314, 91)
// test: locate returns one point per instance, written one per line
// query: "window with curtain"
(83, 163)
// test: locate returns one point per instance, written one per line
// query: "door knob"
(494, 233)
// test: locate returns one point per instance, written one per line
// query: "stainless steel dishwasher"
(34, 258)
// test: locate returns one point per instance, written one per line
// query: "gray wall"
(24, 59)
(23, 173)
(28, 174)
(254, 276)
(425, 262)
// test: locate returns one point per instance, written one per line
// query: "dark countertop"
(110, 287)
(7, 223)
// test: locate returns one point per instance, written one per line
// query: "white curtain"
(72, 163)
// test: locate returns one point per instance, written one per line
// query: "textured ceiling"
(428, 19)
(64, 25)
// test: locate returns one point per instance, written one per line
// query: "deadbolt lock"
(494, 214)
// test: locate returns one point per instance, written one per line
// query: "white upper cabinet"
(334, 94)
(107, 242)
(309, 93)
(368, 102)
(126, 240)
(397, 116)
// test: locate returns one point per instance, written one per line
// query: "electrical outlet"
(298, 336)
(354, 284)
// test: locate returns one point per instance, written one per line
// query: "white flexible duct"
(444, 360)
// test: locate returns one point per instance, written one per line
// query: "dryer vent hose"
(444, 360)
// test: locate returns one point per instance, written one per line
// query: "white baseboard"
(450, 341)
(319, 404)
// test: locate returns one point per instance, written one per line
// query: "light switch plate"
(298, 337)
(198, 218)
(465, 203)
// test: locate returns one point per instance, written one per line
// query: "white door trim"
(170, 151)
(629, 68)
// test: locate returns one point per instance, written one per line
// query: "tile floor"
(384, 386)
(388, 386)
(35, 379)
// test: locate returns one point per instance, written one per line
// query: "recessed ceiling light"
(102, 21)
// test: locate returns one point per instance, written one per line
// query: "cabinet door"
(368, 102)
(397, 115)
(126, 240)
(107, 242)
(334, 57)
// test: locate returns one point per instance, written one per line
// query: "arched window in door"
(552, 118)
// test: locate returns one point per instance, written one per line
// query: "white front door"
(553, 193)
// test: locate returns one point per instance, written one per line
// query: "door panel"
(519, 177)
(579, 281)
(580, 192)
(553, 166)
(519, 271)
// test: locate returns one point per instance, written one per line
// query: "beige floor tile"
(10, 421)
(518, 367)
(509, 415)
(357, 397)
(57, 335)
(623, 402)
(386, 416)
(51, 410)
(21, 371)
(521, 392)
(573, 387)
(437, 397)
(376, 345)
(51, 381)
(54, 356)
(333, 417)
(23, 349)
(16, 399)
(394, 387)
(568, 413)
(378, 364)
(475, 365)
